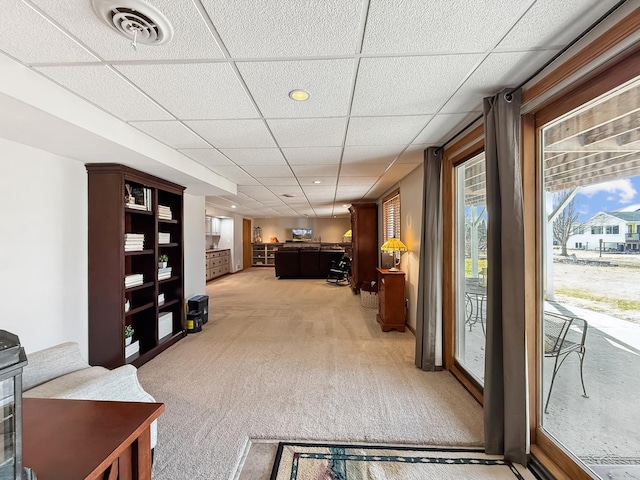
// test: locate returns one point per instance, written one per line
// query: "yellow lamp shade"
(393, 245)
(348, 234)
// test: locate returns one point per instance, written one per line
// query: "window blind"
(391, 217)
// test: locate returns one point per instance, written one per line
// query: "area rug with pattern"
(304, 461)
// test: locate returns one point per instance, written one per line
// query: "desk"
(88, 440)
(475, 302)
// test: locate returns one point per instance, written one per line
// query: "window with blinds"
(391, 217)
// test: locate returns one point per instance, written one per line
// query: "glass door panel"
(590, 325)
(471, 266)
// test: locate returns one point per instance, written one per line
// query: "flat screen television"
(302, 234)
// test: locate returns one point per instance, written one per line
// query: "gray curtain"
(505, 382)
(429, 313)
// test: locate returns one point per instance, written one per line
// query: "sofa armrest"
(51, 363)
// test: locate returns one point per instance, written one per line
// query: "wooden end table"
(86, 439)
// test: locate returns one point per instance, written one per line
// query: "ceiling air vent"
(137, 20)
(288, 195)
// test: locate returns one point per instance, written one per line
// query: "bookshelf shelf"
(112, 224)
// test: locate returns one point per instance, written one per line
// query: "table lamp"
(394, 245)
(346, 236)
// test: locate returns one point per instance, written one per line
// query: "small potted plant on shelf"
(128, 334)
(162, 261)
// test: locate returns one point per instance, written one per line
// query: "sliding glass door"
(589, 315)
(471, 266)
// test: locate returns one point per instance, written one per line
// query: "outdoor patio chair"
(562, 336)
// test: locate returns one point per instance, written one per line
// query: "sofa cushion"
(51, 363)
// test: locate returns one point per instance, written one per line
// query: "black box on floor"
(194, 321)
(201, 304)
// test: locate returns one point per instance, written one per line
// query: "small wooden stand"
(391, 295)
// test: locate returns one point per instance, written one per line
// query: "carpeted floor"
(294, 360)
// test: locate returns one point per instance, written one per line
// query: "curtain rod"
(549, 62)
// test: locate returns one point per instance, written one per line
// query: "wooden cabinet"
(264, 254)
(217, 263)
(391, 300)
(364, 244)
(127, 237)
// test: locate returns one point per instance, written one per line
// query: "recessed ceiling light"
(317, 181)
(233, 206)
(345, 206)
(298, 95)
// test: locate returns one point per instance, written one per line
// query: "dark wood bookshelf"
(110, 219)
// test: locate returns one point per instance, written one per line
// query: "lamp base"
(393, 269)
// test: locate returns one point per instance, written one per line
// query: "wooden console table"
(88, 440)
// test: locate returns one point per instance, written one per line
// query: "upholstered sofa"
(61, 372)
(305, 262)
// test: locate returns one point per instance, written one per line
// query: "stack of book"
(164, 237)
(138, 198)
(164, 273)
(161, 299)
(133, 242)
(133, 280)
(131, 349)
(164, 212)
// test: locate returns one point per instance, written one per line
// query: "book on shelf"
(164, 212)
(164, 276)
(133, 280)
(164, 237)
(161, 299)
(131, 349)
(137, 198)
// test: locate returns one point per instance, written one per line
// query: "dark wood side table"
(390, 299)
(87, 440)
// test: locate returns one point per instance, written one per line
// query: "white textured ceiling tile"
(286, 29)
(400, 170)
(408, 85)
(279, 181)
(383, 154)
(315, 170)
(259, 171)
(207, 156)
(356, 181)
(309, 132)
(416, 26)
(361, 170)
(235, 174)
(108, 90)
(498, 71)
(313, 155)
(254, 156)
(443, 126)
(319, 192)
(245, 180)
(414, 155)
(193, 91)
(384, 130)
(328, 83)
(229, 134)
(549, 23)
(172, 133)
(192, 39)
(333, 180)
(29, 37)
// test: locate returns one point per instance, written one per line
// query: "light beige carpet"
(294, 360)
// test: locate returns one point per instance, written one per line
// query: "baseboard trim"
(411, 329)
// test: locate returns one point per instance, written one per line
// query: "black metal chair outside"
(339, 271)
(563, 335)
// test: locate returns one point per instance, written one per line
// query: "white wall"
(194, 246)
(43, 238)
(328, 229)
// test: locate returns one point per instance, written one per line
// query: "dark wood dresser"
(391, 295)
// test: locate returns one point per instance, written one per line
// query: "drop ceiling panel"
(381, 154)
(344, 192)
(315, 170)
(44, 43)
(284, 29)
(193, 91)
(208, 157)
(308, 132)
(384, 130)
(540, 29)
(233, 133)
(268, 170)
(324, 180)
(255, 156)
(319, 191)
(328, 83)
(313, 155)
(439, 129)
(408, 85)
(374, 169)
(279, 181)
(173, 133)
(357, 181)
(108, 90)
(416, 26)
(496, 72)
(192, 39)
(414, 154)
(235, 174)
(294, 190)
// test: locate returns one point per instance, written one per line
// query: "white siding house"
(617, 230)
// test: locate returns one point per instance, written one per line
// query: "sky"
(608, 197)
